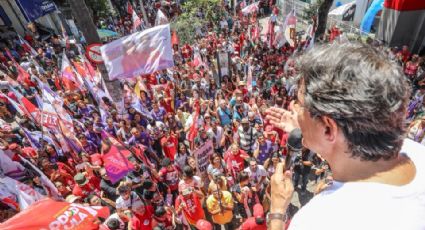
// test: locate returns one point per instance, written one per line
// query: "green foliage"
(99, 8)
(311, 10)
(188, 21)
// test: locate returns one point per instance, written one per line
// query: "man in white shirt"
(257, 174)
(128, 200)
(351, 110)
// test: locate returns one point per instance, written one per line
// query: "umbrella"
(106, 33)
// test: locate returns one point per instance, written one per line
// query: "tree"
(98, 8)
(322, 17)
(86, 25)
(189, 20)
(319, 9)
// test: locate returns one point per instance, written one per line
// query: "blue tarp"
(368, 18)
(33, 9)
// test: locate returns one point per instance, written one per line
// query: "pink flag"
(67, 74)
(116, 164)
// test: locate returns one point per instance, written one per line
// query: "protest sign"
(202, 156)
(139, 53)
(50, 214)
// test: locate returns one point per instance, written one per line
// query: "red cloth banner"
(50, 214)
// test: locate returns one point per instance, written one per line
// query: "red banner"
(50, 214)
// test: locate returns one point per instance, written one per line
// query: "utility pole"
(145, 17)
(85, 23)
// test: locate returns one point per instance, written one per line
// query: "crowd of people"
(164, 118)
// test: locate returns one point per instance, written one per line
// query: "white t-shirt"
(195, 183)
(217, 136)
(367, 205)
(257, 175)
(134, 202)
(116, 216)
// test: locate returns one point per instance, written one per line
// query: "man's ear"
(330, 128)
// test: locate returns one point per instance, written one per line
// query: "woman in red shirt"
(189, 203)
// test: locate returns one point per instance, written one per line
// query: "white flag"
(139, 53)
(25, 193)
(161, 19)
(136, 20)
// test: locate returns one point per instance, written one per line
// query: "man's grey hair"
(363, 91)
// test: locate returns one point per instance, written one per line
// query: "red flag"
(194, 127)
(129, 8)
(27, 47)
(50, 214)
(174, 38)
(139, 152)
(27, 106)
(23, 76)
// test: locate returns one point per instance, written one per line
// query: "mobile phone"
(288, 160)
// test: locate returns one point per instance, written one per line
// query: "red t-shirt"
(167, 105)
(193, 210)
(235, 163)
(84, 191)
(250, 224)
(143, 222)
(170, 177)
(169, 146)
(167, 222)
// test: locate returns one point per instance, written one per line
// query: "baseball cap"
(203, 225)
(13, 146)
(80, 179)
(245, 121)
(258, 211)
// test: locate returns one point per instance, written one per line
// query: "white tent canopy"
(343, 10)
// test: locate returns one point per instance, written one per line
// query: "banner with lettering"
(139, 53)
(202, 156)
(36, 8)
(50, 214)
(116, 164)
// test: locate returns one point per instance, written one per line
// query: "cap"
(203, 225)
(13, 146)
(295, 139)
(80, 179)
(72, 198)
(258, 211)
(241, 83)
(245, 121)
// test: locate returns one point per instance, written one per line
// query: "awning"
(344, 12)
